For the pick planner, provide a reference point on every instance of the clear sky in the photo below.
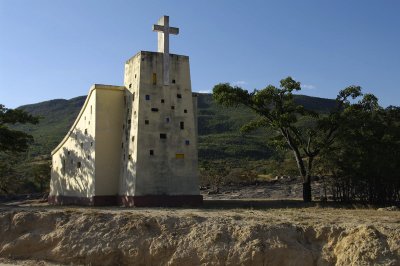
(53, 49)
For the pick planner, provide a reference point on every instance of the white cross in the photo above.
(164, 30)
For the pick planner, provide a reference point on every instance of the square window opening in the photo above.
(146, 122)
(154, 109)
(163, 136)
(162, 100)
(179, 96)
(182, 125)
(151, 152)
(185, 111)
(147, 97)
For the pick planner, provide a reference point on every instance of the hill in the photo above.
(219, 136)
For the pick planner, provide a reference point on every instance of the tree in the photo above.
(276, 109)
(363, 163)
(12, 142)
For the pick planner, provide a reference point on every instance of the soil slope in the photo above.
(295, 236)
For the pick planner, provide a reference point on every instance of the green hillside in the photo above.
(219, 136)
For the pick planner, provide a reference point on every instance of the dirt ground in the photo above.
(235, 226)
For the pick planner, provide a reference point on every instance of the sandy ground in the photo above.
(223, 232)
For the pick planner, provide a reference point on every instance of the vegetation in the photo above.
(310, 135)
(13, 144)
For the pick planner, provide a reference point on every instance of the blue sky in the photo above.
(57, 49)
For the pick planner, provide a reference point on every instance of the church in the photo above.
(134, 145)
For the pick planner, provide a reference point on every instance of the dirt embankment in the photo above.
(303, 236)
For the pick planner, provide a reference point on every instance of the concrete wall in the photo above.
(73, 160)
(86, 162)
(109, 127)
(172, 169)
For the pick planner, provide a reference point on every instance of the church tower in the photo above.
(134, 145)
(159, 143)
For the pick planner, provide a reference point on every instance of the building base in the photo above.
(130, 201)
(84, 201)
(161, 201)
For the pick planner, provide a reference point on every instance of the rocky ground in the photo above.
(227, 230)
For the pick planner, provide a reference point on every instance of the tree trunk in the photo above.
(307, 190)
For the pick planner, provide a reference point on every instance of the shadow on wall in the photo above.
(74, 171)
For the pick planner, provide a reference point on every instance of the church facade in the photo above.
(134, 145)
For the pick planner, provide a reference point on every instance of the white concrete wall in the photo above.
(93, 142)
(109, 127)
(163, 173)
(78, 147)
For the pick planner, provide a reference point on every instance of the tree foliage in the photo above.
(277, 110)
(14, 140)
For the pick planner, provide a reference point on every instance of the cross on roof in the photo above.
(164, 30)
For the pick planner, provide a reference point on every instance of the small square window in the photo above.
(151, 152)
(163, 136)
(179, 96)
(182, 125)
(130, 85)
(146, 122)
(187, 142)
(154, 109)
(134, 112)
(147, 97)
(162, 100)
(130, 156)
(129, 121)
(133, 138)
(172, 107)
(135, 75)
(173, 81)
(78, 165)
(154, 78)
(185, 111)
(91, 144)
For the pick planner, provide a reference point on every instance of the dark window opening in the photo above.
(147, 97)
(69, 152)
(187, 142)
(88, 156)
(162, 100)
(134, 113)
(122, 145)
(130, 85)
(163, 136)
(172, 107)
(129, 121)
(167, 119)
(185, 111)
(130, 156)
(182, 125)
(146, 122)
(173, 81)
(91, 144)
(154, 109)
(133, 138)
(81, 144)
(135, 75)
(78, 165)
(179, 96)
(151, 152)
